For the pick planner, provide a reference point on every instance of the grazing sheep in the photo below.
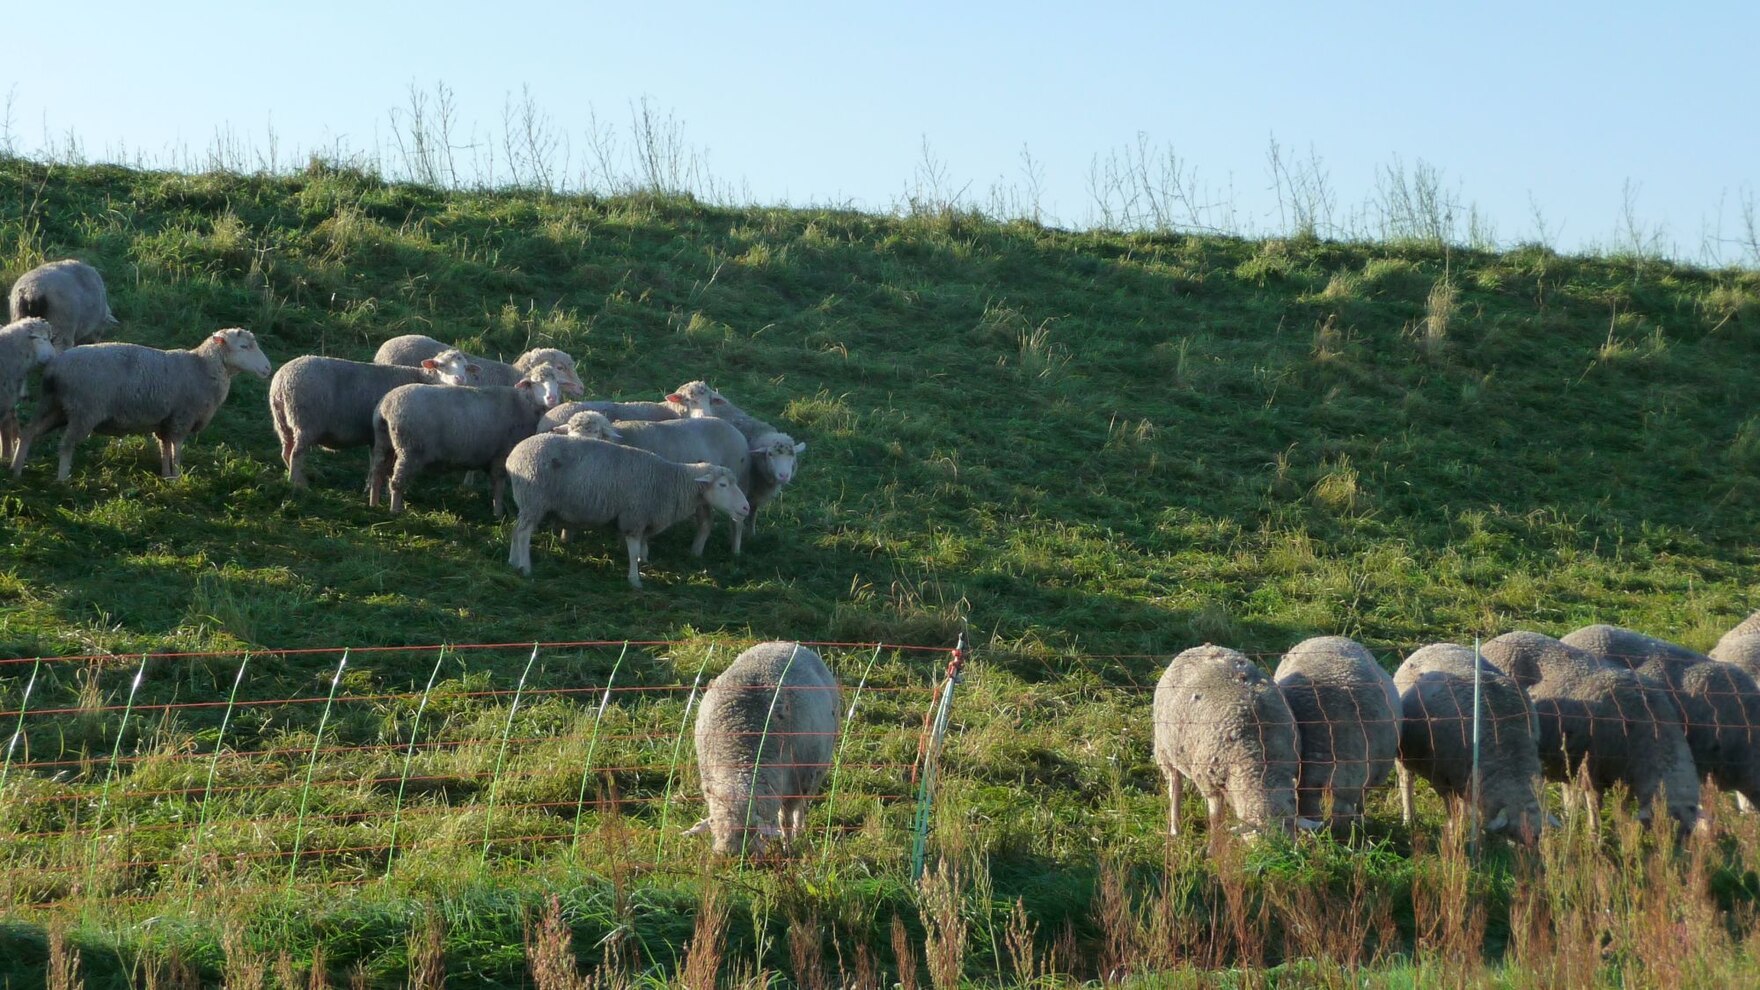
(765, 736)
(587, 424)
(1345, 707)
(592, 482)
(1719, 703)
(412, 349)
(24, 344)
(127, 388)
(1436, 738)
(774, 453)
(651, 412)
(1612, 724)
(328, 402)
(688, 441)
(469, 426)
(1741, 646)
(1220, 721)
(70, 295)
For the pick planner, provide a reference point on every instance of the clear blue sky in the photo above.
(1559, 105)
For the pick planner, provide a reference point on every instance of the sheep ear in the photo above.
(1309, 824)
(706, 479)
(574, 388)
(759, 450)
(800, 448)
(1498, 823)
(559, 429)
(769, 830)
(675, 397)
(220, 338)
(718, 401)
(429, 364)
(613, 434)
(699, 828)
(523, 383)
(475, 369)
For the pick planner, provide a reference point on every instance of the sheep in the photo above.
(70, 295)
(24, 344)
(328, 402)
(765, 737)
(652, 412)
(412, 349)
(127, 388)
(1613, 725)
(1741, 646)
(1220, 721)
(585, 423)
(1436, 738)
(592, 482)
(471, 426)
(1345, 707)
(688, 441)
(774, 453)
(1719, 703)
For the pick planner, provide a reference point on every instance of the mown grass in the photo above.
(1086, 445)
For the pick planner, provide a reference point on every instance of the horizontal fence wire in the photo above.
(129, 779)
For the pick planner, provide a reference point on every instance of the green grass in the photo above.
(1095, 448)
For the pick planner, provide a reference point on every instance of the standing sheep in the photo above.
(127, 388)
(328, 402)
(1719, 703)
(1221, 722)
(591, 482)
(765, 736)
(651, 412)
(1608, 722)
(70, 295)
(1741, 646)
(687, 441)
(412, 349)
(1345, 707)
(775, 454)
(24, 344)
(1436, 738)
(470, 426)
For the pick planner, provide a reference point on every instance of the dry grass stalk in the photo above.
(806, 951)
(63, 962)
(944, 940)
(1019, 937)
(904, 957)
(1112, 912)
(702, 957)
(427, 952)
(244, 968)
(550, 952)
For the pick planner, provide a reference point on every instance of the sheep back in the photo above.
(330, 401)
(1343, 703)
(1220, 721)
(70, 295)
(651, 412)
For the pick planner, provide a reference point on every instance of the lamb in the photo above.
(412, 349)
(1220, 721)
(127, 388)
(1614, 725)
(469, 426)
(593, 482)
(328, 402)
(650, 412)
(1436, 738)
(1345, 707)
(70, 295)
(24, 344)
(1719, 703)
(765, 736)
(688, 441)
(774, 453)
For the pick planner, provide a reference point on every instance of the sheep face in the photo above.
(454, 368)
(589, 424)
(780, 452)
(697, 397)
(239, 351)
(721, 491)
(545, 385)
(42, 343)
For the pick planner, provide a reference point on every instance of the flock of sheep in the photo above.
(641, 466)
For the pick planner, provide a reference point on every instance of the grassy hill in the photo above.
(1096, 448)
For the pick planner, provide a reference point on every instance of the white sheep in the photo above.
(687, 441)
(1606, 722)
(70, 295)
(127, 388)
(766, 735)
(328, 402)
(592, 483)
(24, 345)
(652, 412)
(775, 454)
(1346, 711)
(1220, 721)
(1436, 738)
(468, 426)
(411, 349)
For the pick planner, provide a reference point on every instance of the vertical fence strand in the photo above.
(213, 768)
(580, 800)
(110, 775)
(677, 749)
(501, 754)
(837, 763)
(24, 703)
(299, 829)
(409, 756)
(763, 739)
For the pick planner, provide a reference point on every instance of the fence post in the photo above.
(213, 766)
(299, 829)
(580, 799)
(677, 747)
(837, 765)
(943, 709)
(501, 754)
(18, 732)
(409, 756)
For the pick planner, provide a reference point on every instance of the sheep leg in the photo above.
(497, 484)
(519, 553)
(379, 472)
(8, 436)
(46, 420)
(170, 457)
(702, 531)
(400, 476)
(739, 530)
(633, 541)
(1407, 805)
(70, 438)
(1176, 787)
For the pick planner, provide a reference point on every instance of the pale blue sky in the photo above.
(1559, 105)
